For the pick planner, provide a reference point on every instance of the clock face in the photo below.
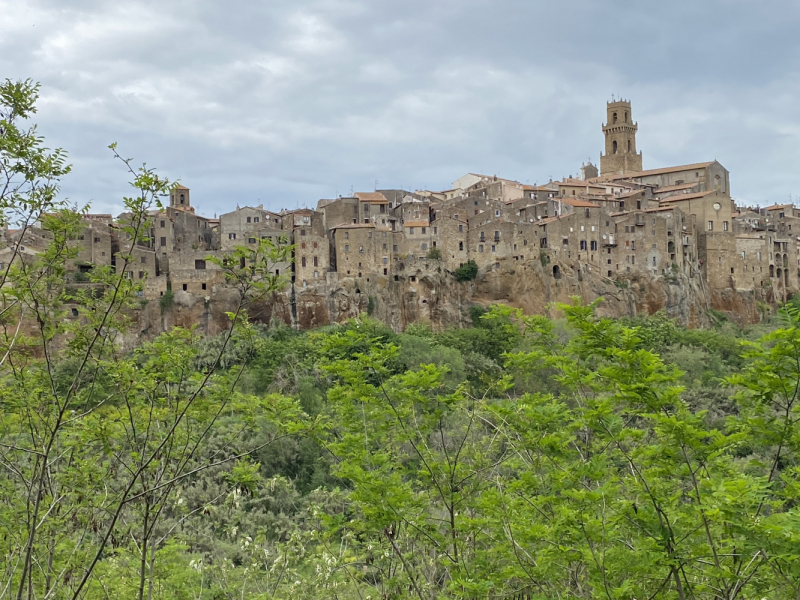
(717, 206)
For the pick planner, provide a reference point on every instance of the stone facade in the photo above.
(624, 227)
(620, 130)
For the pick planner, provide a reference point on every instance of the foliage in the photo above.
(522, 457)
(467, 272)
(434, 254)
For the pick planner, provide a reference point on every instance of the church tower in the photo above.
(620, 131)
(179, 198)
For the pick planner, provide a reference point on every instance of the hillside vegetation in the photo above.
(524, 457)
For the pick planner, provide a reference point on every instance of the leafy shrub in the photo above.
(434, 254)
(467, 272)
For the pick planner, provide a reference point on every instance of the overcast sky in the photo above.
(283, 103)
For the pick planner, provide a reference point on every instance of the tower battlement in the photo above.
(620, 130)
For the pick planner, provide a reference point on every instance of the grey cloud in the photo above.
(284, 103)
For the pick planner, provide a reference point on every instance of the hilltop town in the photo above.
(668, 238)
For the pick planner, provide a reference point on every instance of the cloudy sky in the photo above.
(283, 103)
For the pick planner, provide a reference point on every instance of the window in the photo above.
(369, 234)
(633, 246)
(347, 247)
(424, 246)
(461, 246)
(231, 236)
(410, 231)
(251, 240)
(423, 231)
(480, 248)
(583, 244)
(711, 225)
(96, 240)
(394, 247)
(143, 259)
(724, 226)
(302, 232)
(316, 261)
(361, 249)
(255, 219)
(164, 241)
(366, 208)
(493, 248)
(303, 262)
(614, 147)
(460, 229)
(435, 230)
(185, 287)
(203, 286)
(497, 213)
(303, 245)
(199, 264)
(162, 224)
(594, 245)
(316, 274)
(249, 219)
(141, 274)
(315, 244)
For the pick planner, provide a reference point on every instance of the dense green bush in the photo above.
(467, 272)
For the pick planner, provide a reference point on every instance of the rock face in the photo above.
(426, 292)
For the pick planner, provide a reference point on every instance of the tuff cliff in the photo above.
(425, 291)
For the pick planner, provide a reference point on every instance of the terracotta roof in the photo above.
(579, 183)
(416, 224)
(675, 169)
(373, 197)
(779, 206)
(629, 194)
(547, 220)
(577, 203)
(659, 209)
(682, 197)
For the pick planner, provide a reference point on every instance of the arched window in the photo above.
(556, 272)
(629, 146)
(615, 117)
(614, 147)
(626, 116)
(182, 198)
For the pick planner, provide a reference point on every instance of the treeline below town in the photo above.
(525, 457)
(569, 456)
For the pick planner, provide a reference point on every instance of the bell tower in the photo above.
(179, 198)
(620, 132)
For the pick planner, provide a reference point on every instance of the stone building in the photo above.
(620, 156)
